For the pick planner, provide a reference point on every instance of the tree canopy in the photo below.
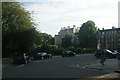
(88, 35)
(43, 38)
(66, 41)
(15, 17)
(17, 28)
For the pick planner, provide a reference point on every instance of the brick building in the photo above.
(109, 39)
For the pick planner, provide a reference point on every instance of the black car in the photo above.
(21, 58)
(109, 54)
(68, 53)
(117, 54)
(98, 53)
(42, 55)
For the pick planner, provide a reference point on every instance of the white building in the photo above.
(64, 31)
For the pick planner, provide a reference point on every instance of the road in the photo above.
(56, 67)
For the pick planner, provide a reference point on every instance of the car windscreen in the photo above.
(67, 52)
(41, 53)
(109, 51)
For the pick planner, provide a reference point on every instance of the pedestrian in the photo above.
(103, 59)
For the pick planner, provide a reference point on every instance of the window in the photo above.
(106, 32)
(102, 40)
(99, 33)
(103, 32)
(106, 40)
(112, 31)
(112, 40)
(115, 32)
(109, 32)
(102, 36)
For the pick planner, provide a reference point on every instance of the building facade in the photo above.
(64, 31)
(109, 39)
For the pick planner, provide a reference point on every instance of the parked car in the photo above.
(21, 58)
(109, 54)
(98, 53)
(42, 55)
(68, 53)
(117, 54)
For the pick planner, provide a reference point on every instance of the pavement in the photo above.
(111, 65)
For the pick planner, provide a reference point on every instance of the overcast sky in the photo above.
(52, 15)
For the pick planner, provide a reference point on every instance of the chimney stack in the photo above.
(68, 27)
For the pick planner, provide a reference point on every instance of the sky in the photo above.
(52, 15)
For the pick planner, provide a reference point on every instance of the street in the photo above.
(55, 67)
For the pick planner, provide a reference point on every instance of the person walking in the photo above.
(103, 58)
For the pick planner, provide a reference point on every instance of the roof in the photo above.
(110, 29)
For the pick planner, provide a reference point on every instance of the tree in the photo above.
(66, 41)
(88, 35)
(15, 17)
(17, 29)
(43, 38)
(47, 39)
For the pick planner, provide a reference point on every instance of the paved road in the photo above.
(56, 67)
